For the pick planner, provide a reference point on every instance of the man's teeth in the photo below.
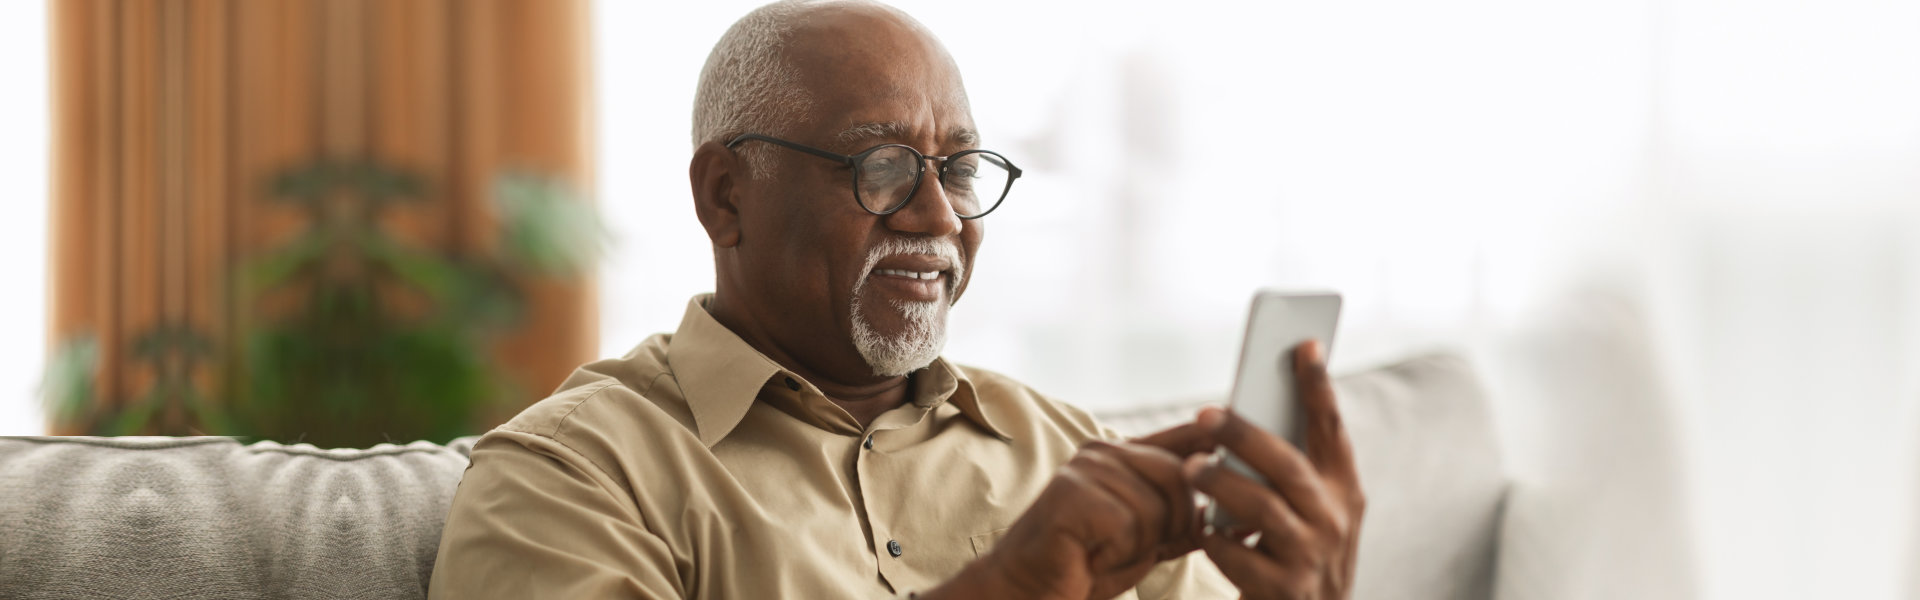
(909, 274)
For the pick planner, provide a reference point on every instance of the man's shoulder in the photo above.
(603, 388)
(1017, 406)
(608, 405)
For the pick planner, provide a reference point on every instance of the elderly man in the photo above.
(799, 436)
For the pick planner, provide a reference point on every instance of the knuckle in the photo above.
(1340, 526)
(1332, 422)
(1285, 583)
(1302, 583)
(1088, 458)
(1275, 516)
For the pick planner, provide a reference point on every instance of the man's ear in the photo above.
(713, 172)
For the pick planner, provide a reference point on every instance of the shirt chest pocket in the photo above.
(984, 542)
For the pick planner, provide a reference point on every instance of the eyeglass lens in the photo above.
(975, 181)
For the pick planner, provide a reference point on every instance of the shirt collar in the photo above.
(721, 376)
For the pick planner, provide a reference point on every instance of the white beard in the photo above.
(926, 332)
(910, 350)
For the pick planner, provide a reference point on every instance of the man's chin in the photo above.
(903, 338)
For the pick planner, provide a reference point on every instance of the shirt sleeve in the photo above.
(534, 519)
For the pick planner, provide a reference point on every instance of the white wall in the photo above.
(1745, 175)
(23, 234)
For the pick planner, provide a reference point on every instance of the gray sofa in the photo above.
(212, 518)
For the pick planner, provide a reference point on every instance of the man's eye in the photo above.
(960, 179)
(882, 170)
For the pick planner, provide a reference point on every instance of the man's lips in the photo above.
(921, 286)
(913, 277)
(910, 274)
(912, 263)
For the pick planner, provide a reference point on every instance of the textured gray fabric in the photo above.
(1430, 463)
(211, 518)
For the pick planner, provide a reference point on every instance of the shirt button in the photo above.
(793, 385)
(869, 445)
(893, 547)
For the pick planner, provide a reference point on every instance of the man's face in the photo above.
(853, 285)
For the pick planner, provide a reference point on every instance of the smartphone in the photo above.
(1263, 388)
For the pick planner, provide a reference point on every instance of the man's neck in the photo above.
(865, 398)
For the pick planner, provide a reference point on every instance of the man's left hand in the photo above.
(1307, 517)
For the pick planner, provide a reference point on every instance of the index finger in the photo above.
(1183, 440)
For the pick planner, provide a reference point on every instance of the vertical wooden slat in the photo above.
(137, 201)
(249, 65)
(343, 75)
(81, 128)
(476, 121)
(170, 162)
(210, 256)
(410, 88)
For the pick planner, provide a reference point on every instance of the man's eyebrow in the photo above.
(895, 130)
(883, 130)
(964, 138)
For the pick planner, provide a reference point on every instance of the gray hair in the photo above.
(748, 86)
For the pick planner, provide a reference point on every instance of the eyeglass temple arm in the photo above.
(839, 158)
(1003, 163)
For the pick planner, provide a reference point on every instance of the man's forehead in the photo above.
(869, 132)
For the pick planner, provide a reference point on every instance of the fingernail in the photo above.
(1312, 349)
(1193, 465)
(1210, 418)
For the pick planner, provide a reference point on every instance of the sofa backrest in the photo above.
(211, 518)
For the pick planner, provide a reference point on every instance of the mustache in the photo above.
(938, 247)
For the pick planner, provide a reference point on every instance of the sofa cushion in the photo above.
(211, 518)
(1430, 464)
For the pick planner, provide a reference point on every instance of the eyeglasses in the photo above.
(885, 176)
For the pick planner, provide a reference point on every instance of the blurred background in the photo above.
(1680, 239)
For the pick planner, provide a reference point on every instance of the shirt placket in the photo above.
(869, 477)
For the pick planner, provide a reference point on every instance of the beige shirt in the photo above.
(696, 467)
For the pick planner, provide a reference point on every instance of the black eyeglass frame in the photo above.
(920, 171)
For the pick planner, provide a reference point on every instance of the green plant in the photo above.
(385, 341)
(67, 385)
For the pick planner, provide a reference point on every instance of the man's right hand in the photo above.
(1108, 516)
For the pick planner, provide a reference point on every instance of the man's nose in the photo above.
(928, 212)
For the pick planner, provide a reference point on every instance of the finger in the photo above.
(1106, 524)
(1284, 467)
(1327, 444)
(1166, 474)
(1255, 574)
(1282, 531)
(1146, 505)
(1182, 440)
